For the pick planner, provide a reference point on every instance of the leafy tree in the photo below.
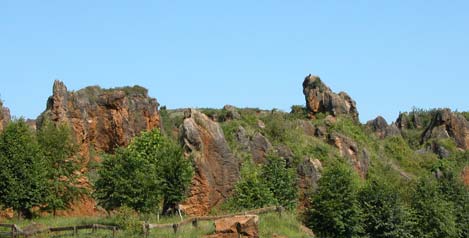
(384, 214)
(251, 191)
(127, 180)
(454, 191)
(171, 167)
(23, 174)
(335, 211)
(434, 215)
(151, 170)
(60, 153)
(281, 181)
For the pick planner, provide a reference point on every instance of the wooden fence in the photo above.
(194, 220)
(15, 231)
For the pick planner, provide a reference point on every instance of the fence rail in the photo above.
(17, 232)
(194, 220)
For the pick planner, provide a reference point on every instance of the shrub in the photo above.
(151, 170)
(250, 192)
(281, 181)
(335, 211)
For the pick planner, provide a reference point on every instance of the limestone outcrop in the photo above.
(216, 169)
(102, 119)
(381, 128)
(446, 124)
(321, 99)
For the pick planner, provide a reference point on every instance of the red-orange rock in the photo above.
(248, 225)
(321, 99)
(465, 175)
(102, 119)
(216, 169)
(348, 149)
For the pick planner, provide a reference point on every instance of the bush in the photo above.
(250, 192)
(434, 215)
(281, 181)
(335, 211)
(151, 170)
(384, 214)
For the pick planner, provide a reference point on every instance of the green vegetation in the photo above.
(150, 171)
(62, 161)
(23, 174)
(281, 181)
(434, 215)
(384, 213)
(250, 191)
(335, 211)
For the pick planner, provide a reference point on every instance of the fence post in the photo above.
(175, 227)
(280, 210)
(146, 229)
(75, 230)
(13, 231)
(238, 229)
(113, 232)
(195, 222)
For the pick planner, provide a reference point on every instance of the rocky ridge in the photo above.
(102, 119)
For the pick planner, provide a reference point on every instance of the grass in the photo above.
(270, 224)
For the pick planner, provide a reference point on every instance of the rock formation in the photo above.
(321, 99)
(102, 119)
(381, 128)
(446, 124)
(216, 169)
(4, 116)
(358, 158)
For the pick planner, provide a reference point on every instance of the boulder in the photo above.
(5, 116)
(412, 120)
(380, 127)
(309, 173)
(257, 145)
(321, 99)
(446, 124)
(216, 169)
(247, 226)
(260, 146)
(231, 113)
(358, 158)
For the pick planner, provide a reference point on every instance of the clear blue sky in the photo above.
(388, 55)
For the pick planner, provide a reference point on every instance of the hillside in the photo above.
(221, 143)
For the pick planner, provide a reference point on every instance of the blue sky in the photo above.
(388, 55)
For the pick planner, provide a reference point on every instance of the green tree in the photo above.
(281, 181)
(62, 161)
(434, 215)
(151, 170)
(127, 180)
(453, 190)
(251, 191)
(23, 174)
(335, 211)
(384, 214)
